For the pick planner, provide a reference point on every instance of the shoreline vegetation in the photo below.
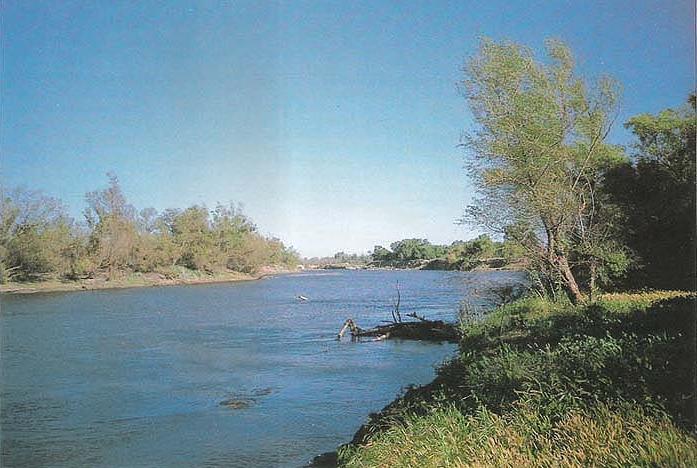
(479, 254)
(43, 250)
(116, 246)
(184, 276)
(548, 383)
(486, 264)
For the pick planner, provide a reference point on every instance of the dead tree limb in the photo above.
(413, 315)
(349, 324)
(396, 316)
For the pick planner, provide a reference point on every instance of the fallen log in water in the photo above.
(427, 330)
(423, 329)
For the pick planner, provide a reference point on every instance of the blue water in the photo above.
(135, 377)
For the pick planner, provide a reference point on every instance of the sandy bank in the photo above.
(135, 280)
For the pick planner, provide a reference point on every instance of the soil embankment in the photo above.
(136, 280)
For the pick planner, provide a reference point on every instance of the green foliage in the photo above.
(469, 254)
(624, 303)
(656, 195)
(415, 249)
(460, 255)
(538, 156)
(35, 236)
(38, 240)
(381, 254)
(193, 237)
(112, 223)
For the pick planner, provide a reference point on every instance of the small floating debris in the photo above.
(302, 298)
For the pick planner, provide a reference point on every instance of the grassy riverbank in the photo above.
(542, 383)
(177, 276)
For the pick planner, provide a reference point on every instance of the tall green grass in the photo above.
(604, 436)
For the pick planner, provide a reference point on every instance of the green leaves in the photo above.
(38, 239)
(656, 195)
(538, 153)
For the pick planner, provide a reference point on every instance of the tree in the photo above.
(191, 232)
(538, 152)
(112, 222)
(381, 254)
(413, 249)
(481, 247)
(656, 195)
(35, 232)
(232, 232)
(509, 249)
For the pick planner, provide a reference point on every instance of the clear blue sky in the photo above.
(336, 123)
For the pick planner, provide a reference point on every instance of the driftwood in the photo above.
(396, 316)
(427, 330)
(424, 329)
(349, 324)
(413, 315)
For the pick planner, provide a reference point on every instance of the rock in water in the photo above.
(262, 391)
(237, 403)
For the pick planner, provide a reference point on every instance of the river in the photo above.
(136, 377)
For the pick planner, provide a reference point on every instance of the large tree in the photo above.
(538, 151)
(657, 197)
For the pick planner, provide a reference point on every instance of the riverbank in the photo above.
(539, 383)
(181, 276)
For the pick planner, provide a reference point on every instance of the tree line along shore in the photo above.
(42, 248)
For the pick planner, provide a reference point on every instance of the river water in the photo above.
(136, 377)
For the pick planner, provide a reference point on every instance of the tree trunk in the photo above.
(593, 275)
(569, 281)
(558, 261)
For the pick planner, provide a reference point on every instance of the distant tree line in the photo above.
(339, 258)
(349, 258)
(461, 255)
(38, 239)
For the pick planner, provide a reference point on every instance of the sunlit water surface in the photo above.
(135, 377)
